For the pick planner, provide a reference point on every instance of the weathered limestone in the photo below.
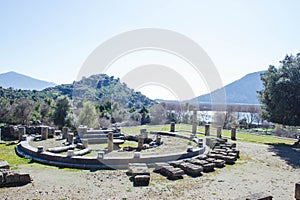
(65, 132)
(144, 133)
(110, 142)
(172, 127)
(44, 132)
(82, 130)
(207, 130)
(141, 180)
(51, 132)
(140, 142)
(100, 155)
(40, 149)
(297, 191)
(11, 178)
(82, 152)
(158, 139)
(136, 155)
(219, 132)
(70, 153)
(21, 132)
(169, 171)
(194, 128)
(140, 173)
(61, 149)
(70, 138)
(233, 133)
(85, 143)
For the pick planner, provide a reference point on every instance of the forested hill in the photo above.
(94, 88)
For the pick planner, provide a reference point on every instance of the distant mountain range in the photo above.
(20, 81)
(242, 91)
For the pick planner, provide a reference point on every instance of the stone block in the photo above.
(12, 178)
(297, 191)
(24, 178)
(209, 167)
(1, 177)
(219, 163)
(4, 165)
(141, 180)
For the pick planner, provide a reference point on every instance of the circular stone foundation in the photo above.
(167, 152)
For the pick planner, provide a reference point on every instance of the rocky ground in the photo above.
(272, 170)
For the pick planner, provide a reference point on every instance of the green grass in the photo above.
(7, 152)
(261, 139)
(185, 129)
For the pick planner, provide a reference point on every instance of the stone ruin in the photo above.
(10, 178)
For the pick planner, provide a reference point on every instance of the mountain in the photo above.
(95, 88)
(20, 81)
(100, 87)
(242, 91)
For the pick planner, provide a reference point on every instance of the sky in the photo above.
(51, 40)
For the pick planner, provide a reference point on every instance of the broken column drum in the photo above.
(65, 132)
(194, 128)
(233, 133)
(172, 127)
(22, 131)
(110, 142)
(140, 142)
(44, 132)
(70, 138)
(207, 131)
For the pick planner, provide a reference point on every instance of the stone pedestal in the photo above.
(207, 131)
(144, 133)
(40, 149)
(158, 139)
(137, 155)
(70, 138)
(172, 127)
(100, 155)
(44, 132)
(140, 142)
(194, 128)
(85, 143)
(110, 142)
(219, 132)
(51, 131)
(297, 191)
(21, 132)
(233, 133)
(82, 130)
(65, 132)
(70, 153)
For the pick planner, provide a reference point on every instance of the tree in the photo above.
(5, 108)
(144, 113)
(88, 115)
(61, 111)
(22, 111)
(281, 93)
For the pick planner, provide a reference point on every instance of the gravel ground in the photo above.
(272, 170)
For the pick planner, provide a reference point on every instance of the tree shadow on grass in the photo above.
(289, 153)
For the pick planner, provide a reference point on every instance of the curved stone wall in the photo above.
(26, 150)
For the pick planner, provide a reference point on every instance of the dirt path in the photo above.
(268, 169)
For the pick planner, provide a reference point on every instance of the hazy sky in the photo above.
(50, 40)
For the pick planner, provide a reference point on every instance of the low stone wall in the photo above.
(24, 149)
